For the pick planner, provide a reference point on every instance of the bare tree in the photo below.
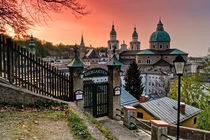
(19, 15)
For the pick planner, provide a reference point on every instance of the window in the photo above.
(139, 61)
(161, 46)
(139, 115)
(148, 61)
(166, 46)
(195, 120)
(153, 46)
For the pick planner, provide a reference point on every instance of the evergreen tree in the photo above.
(133, 83)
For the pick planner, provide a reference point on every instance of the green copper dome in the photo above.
(135, 34)
(113, 32)
(31, 43)
(160, 34)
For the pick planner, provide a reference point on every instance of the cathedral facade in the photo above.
(159, 55)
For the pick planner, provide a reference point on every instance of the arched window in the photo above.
(148, 61)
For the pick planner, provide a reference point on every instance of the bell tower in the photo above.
(113, 43)
(135, 44)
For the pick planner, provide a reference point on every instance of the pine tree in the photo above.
(133, 83)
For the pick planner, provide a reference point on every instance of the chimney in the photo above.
(182, 108)
(143, 99)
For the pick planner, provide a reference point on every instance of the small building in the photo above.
(127, 99)
(91, 57)
(166, 109)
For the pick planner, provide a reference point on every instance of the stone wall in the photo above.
(13, 94)
(185, 132)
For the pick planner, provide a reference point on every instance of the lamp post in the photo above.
(179, 63)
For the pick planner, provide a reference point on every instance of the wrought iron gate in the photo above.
(96, 98)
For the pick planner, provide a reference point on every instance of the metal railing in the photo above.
(141, 128)
(122, 117)
(141, 122)
(163, 135)
(21, 67)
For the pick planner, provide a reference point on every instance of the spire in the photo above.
(135, 34)
(160, 26)
(82, 41)
(113, 32)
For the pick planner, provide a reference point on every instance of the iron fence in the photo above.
(20, 67)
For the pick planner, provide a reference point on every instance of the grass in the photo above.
(78, 127)
(106, 133)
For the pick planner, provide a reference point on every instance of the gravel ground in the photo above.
(30, 126)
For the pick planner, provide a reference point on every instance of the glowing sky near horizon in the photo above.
(187, 22)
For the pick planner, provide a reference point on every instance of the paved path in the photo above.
(121, 132)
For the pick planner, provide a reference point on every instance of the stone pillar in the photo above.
(129, 113)
(159, 127)
(113, 101)
(77, 84)
(75, 70)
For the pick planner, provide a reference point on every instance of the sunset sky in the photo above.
(187, 22)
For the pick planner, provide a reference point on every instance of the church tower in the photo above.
(135, 44)
(123, 47)
(160, 39)
(113, 43)
(32, 49)
(82, 48)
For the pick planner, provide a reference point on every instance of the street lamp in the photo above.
(179, 63)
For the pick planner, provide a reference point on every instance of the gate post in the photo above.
(114, 68)
(76, 70)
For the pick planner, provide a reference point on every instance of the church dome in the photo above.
(113, 32)
(160, 34)
(135, 34)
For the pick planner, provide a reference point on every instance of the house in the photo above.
(127, 99)
(166, 109)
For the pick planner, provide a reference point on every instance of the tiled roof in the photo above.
(176, 51)
(76, 63)
(91, 54)
(162, 62)
(114, 62)
(129, 53)
(146, 52)
(127, 99)
(165, 109)
(168, 51)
